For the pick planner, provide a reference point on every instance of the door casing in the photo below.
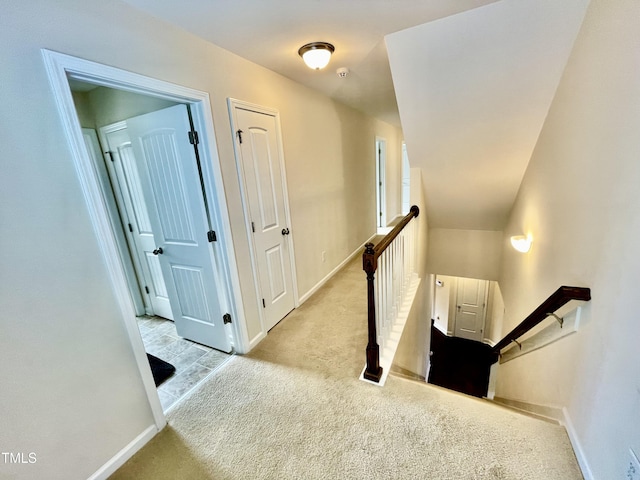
(60, 68)
(381, 183)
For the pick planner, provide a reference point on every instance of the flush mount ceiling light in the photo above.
(316, 54)
(521, 243)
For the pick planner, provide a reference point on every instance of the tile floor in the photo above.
(193, 362)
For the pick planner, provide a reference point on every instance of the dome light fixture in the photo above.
(316, 54)
(521, 243)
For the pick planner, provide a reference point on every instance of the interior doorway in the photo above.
(61, 70)
(145, 167)
(466, 314)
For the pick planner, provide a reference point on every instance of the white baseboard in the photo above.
(551, 413)
(318, 285)
(577, 447)
(125, 454)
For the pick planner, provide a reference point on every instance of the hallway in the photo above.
(294, 408)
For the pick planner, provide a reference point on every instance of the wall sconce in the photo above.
(521, 243)
(316, 54)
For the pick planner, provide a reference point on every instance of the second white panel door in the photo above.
(261, 165)
(471, 302)
(135, 218)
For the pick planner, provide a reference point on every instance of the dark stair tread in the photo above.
(460, 364)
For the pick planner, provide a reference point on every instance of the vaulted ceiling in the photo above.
(469, 81)
(475, 100)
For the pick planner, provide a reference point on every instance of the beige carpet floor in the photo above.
(294, 409)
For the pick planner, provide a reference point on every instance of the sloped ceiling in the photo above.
(473, 91)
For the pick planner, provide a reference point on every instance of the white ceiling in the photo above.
(270, 32)
(474, 79)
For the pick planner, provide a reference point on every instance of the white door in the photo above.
(134, 215)
(171, 184)
(471, 302)
(261, 162)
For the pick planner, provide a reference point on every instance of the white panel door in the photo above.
(471, 301)
(170, 179)
(261, 164)
(132, 207)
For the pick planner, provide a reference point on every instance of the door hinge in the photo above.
(226, 318)
(264, 305)
(110, 155)
(253, 227)
(130, 228)
(193, 137)
(239, 133)
(146, 289)
(211, 236)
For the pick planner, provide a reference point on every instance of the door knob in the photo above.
(158, 251)
(285, 231)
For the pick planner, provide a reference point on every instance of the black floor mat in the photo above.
(160, 369)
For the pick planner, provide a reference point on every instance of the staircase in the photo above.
(460, 364)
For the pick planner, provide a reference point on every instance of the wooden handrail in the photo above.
(373, 371)
(414, 211)
(559, 298)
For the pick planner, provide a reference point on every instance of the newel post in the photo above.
(373, 371)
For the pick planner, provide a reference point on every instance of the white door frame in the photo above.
(233, 103)
(381, 183)
(58, 66)
(98, 159)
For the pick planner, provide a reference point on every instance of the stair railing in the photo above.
(394, 259)
(558, 299)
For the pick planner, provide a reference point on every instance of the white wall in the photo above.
(581, 202)
(413, 349)
(71, 391)
(442, 303)
(465, 253)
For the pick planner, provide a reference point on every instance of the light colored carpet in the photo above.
(294, 409)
